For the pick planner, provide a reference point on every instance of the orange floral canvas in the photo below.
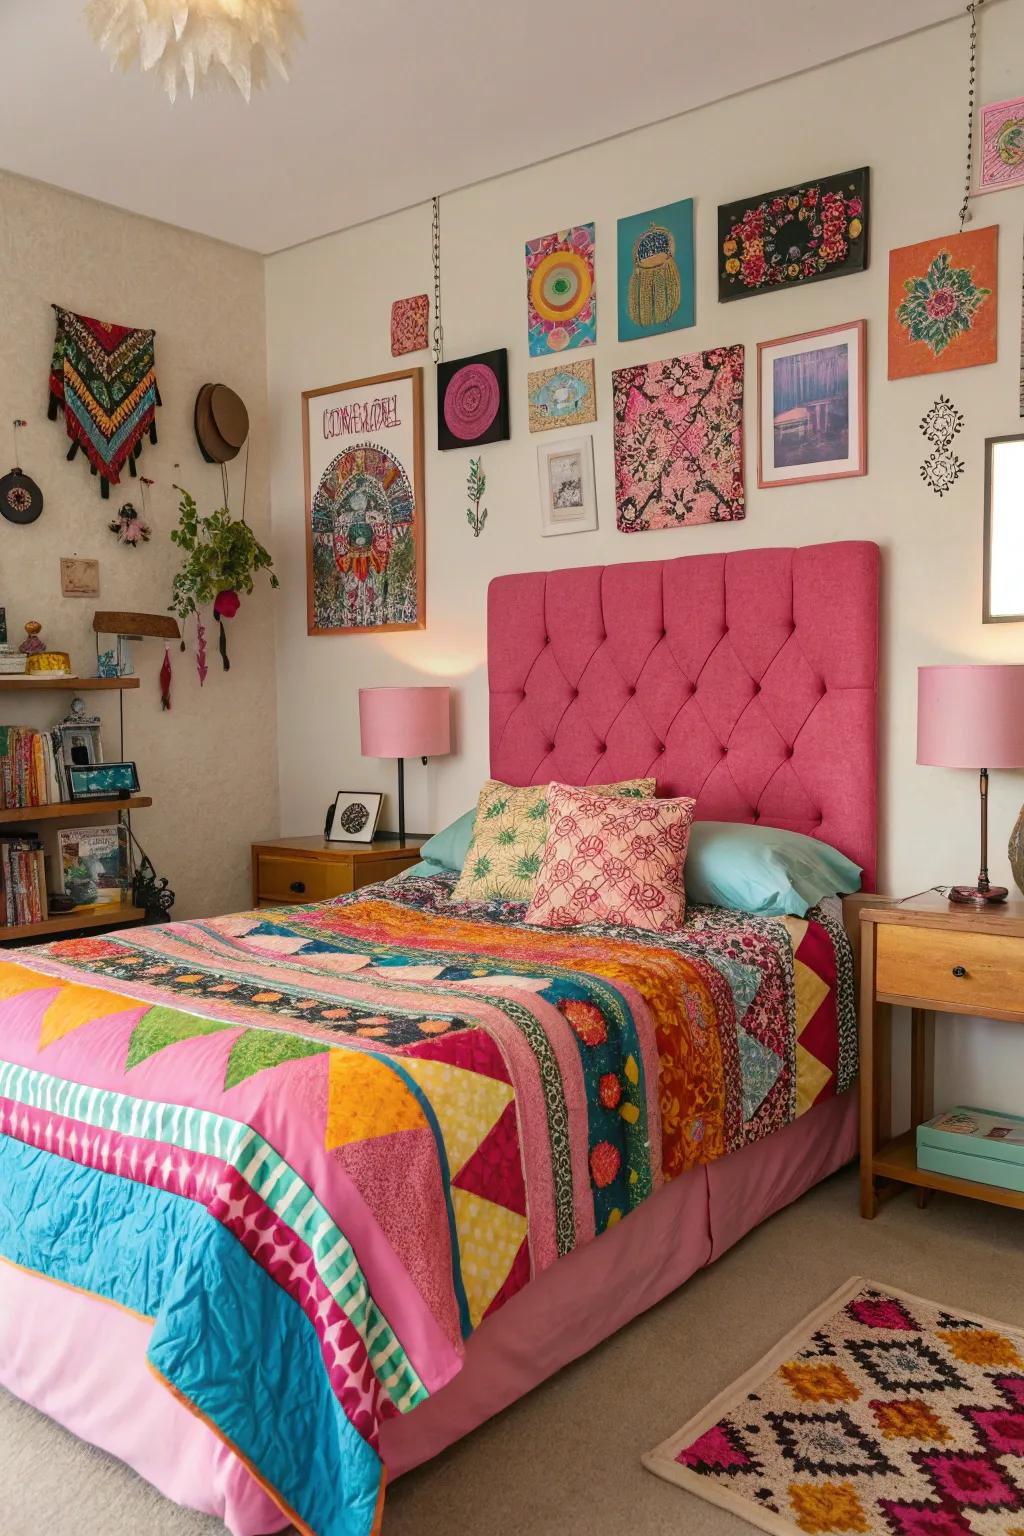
(942, 304)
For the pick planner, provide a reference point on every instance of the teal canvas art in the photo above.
(655, 252)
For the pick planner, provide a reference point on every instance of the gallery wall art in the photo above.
(942, 304)
(655, 271)
(472, 400)
(410, 322)
(563, 396)
(811, 406)
(679, 441)
(568, 500)
(362, 446)
(793, 236)
(940, 424)
(1002, 145)
(561, 295)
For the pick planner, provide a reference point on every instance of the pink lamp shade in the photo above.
(971, 716)
(405, 722)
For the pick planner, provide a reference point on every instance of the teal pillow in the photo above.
(765, 870)
(450, 846)
(424, 867)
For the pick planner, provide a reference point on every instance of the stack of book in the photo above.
(22, 882)
(31, 768)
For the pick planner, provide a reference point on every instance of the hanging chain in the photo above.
(965, 209)
(15, 424)
(435, 235)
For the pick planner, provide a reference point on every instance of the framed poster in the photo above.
(362, 448)
(568, 503)
(811, 397)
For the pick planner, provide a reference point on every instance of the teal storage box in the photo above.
(974, 1144)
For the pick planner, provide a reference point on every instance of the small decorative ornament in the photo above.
(941, 422)
(32, 645)
(410, 325)
(476, 484)
(941, 470)
(198, 42)
(129, 527)
(21, 500)
(201, 666)
(1016, 851)
(225, 606)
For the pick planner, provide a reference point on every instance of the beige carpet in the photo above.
(566, 1460)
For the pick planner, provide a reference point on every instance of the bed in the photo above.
(291, 1200)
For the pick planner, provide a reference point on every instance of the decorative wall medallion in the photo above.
(941, 469)
(472, 400)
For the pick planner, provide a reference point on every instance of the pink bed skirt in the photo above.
(82, 1361)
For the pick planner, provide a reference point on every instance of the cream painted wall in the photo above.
(899, 109)
(210, 764)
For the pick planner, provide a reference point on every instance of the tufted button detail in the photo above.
(661, 746)
(755, 815)
(632, 692)
(757, 687)
(789, 751)
(602, 746)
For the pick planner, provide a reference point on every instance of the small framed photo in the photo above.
(102, 781)
(568, 503)
(80, 743)
(354, 816)
(812, 406)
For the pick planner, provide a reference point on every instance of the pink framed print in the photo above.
(1002, 145)
(812, 406)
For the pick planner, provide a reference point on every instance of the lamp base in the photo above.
(974, 896)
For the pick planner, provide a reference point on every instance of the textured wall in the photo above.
(210, 763)
(899, 109)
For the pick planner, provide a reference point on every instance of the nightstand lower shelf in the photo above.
(897, 1160)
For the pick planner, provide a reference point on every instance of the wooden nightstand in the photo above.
(290, 870)
(930, 957)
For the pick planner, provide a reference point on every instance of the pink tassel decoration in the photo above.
(201, 666)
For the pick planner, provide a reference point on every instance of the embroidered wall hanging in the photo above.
(940, 425)
(472, 400)
(679, 441)
(942, 304)
(1002, 145)
(561, 397)
(104, 378)
(655, 251)
(794, 236)
(560, 291)
(410, 325)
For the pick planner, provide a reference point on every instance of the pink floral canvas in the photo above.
(679, 441)
(610, 860)
(410, 320)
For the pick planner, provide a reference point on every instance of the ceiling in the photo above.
(393, 100)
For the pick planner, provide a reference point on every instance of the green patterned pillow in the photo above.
(509, 833)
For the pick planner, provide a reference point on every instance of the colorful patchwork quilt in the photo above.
(317, 1146)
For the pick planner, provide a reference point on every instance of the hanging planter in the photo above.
(222, 557)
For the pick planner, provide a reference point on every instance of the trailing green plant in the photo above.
(476, 484)
(222, 555)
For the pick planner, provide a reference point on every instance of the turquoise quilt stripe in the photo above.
(225, 1334)
(201, 1130)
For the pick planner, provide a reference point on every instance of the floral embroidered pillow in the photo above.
(612, 861)
(509, 834)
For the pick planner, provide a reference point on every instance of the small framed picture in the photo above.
(80, 743)
(353, 817)
(102, 781)
(568, 503)
(812, 406)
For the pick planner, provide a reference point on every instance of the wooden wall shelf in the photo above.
(22, 683)
(71, 922)
(69, 811)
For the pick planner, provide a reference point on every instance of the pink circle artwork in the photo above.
(471, 401)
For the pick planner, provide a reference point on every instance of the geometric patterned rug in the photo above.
(880, 1413)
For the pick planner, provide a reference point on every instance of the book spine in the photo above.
(44, 905)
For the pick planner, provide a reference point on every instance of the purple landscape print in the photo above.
(811, 406)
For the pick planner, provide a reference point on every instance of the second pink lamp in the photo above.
(972, 717)
(401, 723)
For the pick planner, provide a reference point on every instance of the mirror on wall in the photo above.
(1004, 530)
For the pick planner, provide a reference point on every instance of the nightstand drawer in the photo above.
(973, 973)
(286, 878)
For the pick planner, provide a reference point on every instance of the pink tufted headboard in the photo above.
(748, 680)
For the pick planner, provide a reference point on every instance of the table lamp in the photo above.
(401, 723)
(972, 717)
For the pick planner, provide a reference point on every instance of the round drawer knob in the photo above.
(959, 970)
(298, 886)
